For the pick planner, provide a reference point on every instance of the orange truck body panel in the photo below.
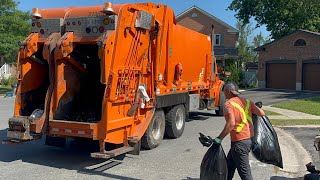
(167, 59)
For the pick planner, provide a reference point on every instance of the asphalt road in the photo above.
(269, 97)
(306, 137)
(173, 159)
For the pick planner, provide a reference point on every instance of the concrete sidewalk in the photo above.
(294, 156)
(288, 114)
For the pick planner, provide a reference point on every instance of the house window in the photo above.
(194, 15)
(300, 42)
(217, 39)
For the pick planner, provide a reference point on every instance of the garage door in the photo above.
(281, 76)
(311, 77)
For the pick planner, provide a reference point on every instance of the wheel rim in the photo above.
(179, 119)
(156, 130)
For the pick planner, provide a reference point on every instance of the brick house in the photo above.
(291, 62)
(225, 36)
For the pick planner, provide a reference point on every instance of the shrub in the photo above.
(4, 81)
(12, 80)
(236, 74)
(8, 81)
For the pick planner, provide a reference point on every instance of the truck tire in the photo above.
(222, 100)
(175, 121)
(155, 131)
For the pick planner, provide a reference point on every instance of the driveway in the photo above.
(306, 136)
(269, 97)
(174, 159)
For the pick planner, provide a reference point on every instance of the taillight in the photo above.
(68, 23)
(73, 23)
(79, 23)
(106, 21)
(110, 80)
(101, 29)
(88, 30)
(33, 24)
(94, 29)
(39, 24)
(42, 31)
(108, 90)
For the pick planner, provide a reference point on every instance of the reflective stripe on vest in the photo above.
(245, 114)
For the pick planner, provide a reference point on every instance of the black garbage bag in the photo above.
(265, 144)
(314, 173)
(214, 163)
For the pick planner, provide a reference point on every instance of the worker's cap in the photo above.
(232, 87)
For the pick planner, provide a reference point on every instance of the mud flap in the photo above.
(137, 148)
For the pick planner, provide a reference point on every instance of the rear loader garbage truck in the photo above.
(122, 74)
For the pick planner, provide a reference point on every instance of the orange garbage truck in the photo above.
(122, 74)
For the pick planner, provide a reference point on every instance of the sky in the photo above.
(218, 8)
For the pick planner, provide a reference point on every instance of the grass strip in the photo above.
(271, 113)
(286, 122)
(4, 89)
(308, 105)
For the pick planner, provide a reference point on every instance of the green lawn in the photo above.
(270, 113)
(308, 105)
(286, 122)
(4, 89)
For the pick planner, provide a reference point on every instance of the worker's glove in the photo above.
(217, 140)
(205, 140)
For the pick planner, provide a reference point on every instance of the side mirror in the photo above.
(259, 104)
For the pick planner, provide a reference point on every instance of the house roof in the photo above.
(231, 29)
(277, 40)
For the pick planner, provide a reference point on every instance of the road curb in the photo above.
(294, 156)
(290, 113)
(299, 126)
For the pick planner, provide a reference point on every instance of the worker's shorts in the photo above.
(238, 158)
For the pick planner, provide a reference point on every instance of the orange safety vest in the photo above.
(245, 113)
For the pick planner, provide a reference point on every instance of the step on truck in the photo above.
(123, 74)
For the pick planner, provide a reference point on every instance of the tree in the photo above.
(243, 45)
(258, 40)
(280, 16)
(14, 27)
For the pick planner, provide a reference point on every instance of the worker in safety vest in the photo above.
(238, 115)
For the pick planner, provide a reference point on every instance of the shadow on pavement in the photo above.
(284, 178)
(201, 116)
(189, 178)
(73, 157)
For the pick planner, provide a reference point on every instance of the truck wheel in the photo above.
(175, 121)
(222, 100)
(155, 132)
